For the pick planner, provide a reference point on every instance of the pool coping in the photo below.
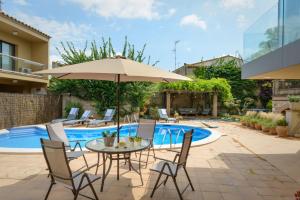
(215, 135)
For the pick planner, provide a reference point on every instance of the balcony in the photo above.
(11, 66)
(272, 42)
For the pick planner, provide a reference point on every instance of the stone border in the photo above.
(215, 135)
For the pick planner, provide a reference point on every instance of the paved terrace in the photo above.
(243, 164)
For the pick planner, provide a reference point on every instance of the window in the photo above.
(7, 50)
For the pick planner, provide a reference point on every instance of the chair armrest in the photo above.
(163, 159)
(77, 173)
(172, 161)
(172, 150)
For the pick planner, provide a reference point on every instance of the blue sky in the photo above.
(205, 28)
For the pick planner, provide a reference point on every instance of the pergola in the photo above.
(169, 92)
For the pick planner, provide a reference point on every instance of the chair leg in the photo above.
(92, 188)
(188, 177)
(85, 161)
(177, 188)
(165, 182)
(152, 193)
(154, 156)
(48, 192)
(78, 189)
(147, 157)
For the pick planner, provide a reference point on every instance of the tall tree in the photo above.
(102, 92)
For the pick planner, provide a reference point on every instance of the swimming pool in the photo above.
(28, 138)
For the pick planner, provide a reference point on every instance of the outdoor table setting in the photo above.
(113, 150)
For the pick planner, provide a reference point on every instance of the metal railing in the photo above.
(13, 64)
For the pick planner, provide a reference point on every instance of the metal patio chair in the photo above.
(145, 130)
(60, 172)
(56, 132)
(170, 168)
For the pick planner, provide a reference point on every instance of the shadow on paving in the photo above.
(225, 176)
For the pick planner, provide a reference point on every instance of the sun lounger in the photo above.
(72, 115)
(163, 115)
(108, 117)
(85, 116)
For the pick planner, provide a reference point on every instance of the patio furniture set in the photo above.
(58, 154)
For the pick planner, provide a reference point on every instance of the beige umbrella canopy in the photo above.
(110, 68)
(114, 69)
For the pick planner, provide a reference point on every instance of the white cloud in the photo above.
(242, 21)
(171, 12)
(237, 4)
(59, 31)
(129, 9)
(21, 2)
(193, 20)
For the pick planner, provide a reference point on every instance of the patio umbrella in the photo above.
(116, 69)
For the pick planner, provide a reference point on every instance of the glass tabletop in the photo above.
(125, 146)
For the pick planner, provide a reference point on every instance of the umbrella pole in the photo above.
(118, 107)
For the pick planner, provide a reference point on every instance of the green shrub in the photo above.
(269, 105)
(268, 124)
(219, 85)
(73, 104)
(282, 122)
(153, 113)
(294, 98)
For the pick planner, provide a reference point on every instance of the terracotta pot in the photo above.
(252, 125)
(265, 129)
(282, 131)
(257, 126)
(109, 141)
(272, 131)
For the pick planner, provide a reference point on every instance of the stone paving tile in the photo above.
(224, 170)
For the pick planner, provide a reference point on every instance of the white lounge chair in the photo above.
(85, 116)
(108, 117)
(164, 115)
(71, 116)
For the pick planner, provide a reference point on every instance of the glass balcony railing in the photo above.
(263, 36)
(277, 27)
(12, 64)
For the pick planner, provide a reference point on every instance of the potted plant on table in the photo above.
(137, 141)
(282, 128)
(109, 138)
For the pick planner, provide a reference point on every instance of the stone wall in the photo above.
(26, 109)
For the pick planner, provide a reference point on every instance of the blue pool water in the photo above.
(29, 137)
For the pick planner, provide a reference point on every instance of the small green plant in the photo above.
(269, 105)
(138, 139)
(294, 98)
(131, 139)
(268, 124)
(282, 122)
(73, 104)
(108, 134)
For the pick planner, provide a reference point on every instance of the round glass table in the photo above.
(119, 151)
